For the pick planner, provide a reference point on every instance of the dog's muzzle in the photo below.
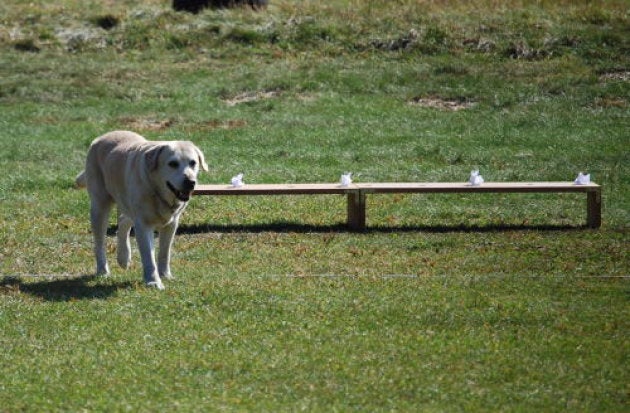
(184, 194)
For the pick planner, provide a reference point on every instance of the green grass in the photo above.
(447, 303)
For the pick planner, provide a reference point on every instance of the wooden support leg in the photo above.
(356, 210)
(594, 209)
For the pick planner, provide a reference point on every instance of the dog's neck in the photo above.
(173, 208)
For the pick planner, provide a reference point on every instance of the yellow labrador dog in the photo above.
(151, 183)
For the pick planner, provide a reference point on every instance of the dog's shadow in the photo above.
(70, 288)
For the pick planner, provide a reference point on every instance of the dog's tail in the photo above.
(80, 180)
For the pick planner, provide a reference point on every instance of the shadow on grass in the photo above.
(308, 228)
(61, 288)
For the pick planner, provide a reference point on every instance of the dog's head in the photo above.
(174, 166)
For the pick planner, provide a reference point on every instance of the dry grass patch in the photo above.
(213, 124)
(147, 123)
(247, 97)
(442, 103)
(622, 75)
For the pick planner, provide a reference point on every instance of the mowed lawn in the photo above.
(469, 302)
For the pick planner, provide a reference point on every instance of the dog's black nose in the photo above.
(188, 184)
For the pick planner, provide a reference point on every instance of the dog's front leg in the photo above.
(144, 237)
(167, 234)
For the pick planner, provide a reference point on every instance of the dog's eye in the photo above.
(173, 164)
(192, 164)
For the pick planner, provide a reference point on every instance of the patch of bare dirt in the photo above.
(441, 103)
(248, 97)
(610, 102)
(218, 124)
(147, 123)
(521, 50)
(401, 43)
(621, 75)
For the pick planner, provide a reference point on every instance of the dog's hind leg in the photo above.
(124, 246)
(99, 217)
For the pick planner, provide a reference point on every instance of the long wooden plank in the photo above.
(275, 189)
(418, 187)
(393, 187)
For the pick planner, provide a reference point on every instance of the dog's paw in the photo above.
(124, 260)
(123, 252)
(167, 276)
(102, 271)
(155, 284)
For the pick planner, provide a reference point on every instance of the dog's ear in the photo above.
(202, 159)
(152, 157)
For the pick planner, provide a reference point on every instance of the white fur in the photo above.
(151, 183)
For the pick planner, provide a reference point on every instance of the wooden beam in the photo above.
(458, 187)
(275, 189)
(393, 187)
(356, 193)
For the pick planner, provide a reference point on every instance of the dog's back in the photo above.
(100, 149)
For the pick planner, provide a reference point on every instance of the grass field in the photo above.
(447, 303)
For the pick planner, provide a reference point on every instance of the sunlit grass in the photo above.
(447, 302)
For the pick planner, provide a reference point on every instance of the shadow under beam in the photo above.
(294, 227)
